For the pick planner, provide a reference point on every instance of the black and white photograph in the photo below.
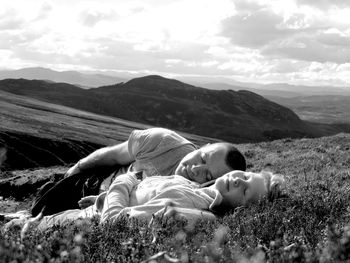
(175, 131)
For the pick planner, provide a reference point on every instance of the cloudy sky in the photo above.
(292, 41)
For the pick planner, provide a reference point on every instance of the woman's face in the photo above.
(240, 188)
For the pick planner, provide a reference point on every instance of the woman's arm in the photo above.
(118, 196)
(190, 214)
(165, 207)
(107, 156)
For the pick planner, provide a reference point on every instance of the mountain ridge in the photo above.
(95, 79)
(236, 116)
(82, 80)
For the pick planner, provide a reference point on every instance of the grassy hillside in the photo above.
(312, 224)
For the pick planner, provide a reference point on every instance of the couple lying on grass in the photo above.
(165, 168)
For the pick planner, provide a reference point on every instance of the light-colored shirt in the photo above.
(157, 151)
(128, 196)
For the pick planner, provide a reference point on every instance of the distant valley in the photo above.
(323, 109)
(316, 104)
(282, 89)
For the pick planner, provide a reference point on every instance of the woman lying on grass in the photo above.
(127, 196)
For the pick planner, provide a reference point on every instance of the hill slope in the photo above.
(236, 116)
(40, 134)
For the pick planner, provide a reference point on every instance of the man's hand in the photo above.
(87, 201)
(73, 170)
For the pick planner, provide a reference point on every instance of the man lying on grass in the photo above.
(151, 152)
(127, 196)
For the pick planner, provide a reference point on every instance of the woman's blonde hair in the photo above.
(274, 183)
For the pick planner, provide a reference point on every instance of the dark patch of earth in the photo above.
(10, 204)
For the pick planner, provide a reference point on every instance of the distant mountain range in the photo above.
(82, 80)
(90, 80)
(236, 116)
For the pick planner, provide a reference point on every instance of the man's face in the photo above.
(240, 188)
(204, 164)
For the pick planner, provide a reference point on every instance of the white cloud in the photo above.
(255, 40)
(325, 4)
(10, 20)
(319, 47)
(90, 17)
(255, 29)
(303, 34)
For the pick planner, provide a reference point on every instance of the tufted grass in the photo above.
(310, 224)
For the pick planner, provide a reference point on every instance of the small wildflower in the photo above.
(78, 239)
(64, 255)
(180, 236)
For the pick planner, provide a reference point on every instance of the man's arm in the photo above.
(107, 156)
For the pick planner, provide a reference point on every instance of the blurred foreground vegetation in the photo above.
(312, 224)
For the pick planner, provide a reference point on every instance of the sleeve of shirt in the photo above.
(165, 208)
(145, 211)
(118, 196)
(159, 204)
(147, 144)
